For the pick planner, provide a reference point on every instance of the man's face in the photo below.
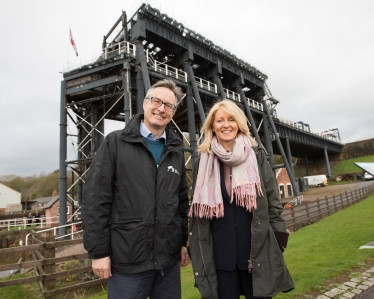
(157, 117)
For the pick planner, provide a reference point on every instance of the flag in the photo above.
(73, 43)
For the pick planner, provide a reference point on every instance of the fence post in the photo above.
(49, 252)
(319, 209)
(307, 212)
(341, 200)
(293, 218)
(333, 198)
(327, 206)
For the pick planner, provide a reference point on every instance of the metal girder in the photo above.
(95, 69)
(93, 84)
(302, 142)
(210, 53)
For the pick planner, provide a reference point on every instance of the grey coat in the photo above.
(269, 273)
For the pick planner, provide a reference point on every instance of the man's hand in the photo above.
(101, 267)
(184, 257)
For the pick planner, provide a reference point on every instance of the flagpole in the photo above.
(68, 50)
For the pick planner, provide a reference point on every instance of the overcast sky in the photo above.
(318, 55)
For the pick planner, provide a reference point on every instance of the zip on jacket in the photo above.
(250, 265)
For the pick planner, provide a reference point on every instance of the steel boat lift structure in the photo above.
(140, 51)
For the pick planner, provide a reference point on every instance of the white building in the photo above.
(10, 200)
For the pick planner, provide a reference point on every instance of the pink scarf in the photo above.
(207, 200)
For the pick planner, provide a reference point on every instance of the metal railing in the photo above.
(232, 95)
(23, 222)
(113, 50)
(207, 85)
(307, 129)
(255, 105)
(56, 229)
(165, 68)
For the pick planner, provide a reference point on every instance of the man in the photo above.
(135, 203)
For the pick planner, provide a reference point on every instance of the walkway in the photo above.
(359, 287)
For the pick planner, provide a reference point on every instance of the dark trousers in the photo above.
(233, 283)
(155, 284)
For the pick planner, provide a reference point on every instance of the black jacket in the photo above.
(132, 210)
(231, 234)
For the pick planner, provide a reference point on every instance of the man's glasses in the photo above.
(157, 102)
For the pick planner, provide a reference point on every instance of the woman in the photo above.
(236, 232)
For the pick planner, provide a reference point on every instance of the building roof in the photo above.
(49, 201)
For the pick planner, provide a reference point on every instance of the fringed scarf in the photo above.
(207, 200)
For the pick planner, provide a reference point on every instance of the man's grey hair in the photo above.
(170, 85)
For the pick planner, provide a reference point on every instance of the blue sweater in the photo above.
(156, 147)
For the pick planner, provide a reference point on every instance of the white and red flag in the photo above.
(73, 43)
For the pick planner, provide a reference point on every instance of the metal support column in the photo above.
(191, 125)
(140, 94)
(327, 163)
(140, 59)
(191, 78)
(96, 137)
(249, 114)
(63, 153)
(79, 170)
(126, 84)
(124, 26)
(306, 164)
(218, 82)
(268, 144)
(289, 155)
(290, 173)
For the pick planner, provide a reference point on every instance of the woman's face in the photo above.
(225, 128)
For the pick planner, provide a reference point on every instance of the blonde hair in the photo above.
(239, 117)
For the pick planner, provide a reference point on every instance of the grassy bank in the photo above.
(348, 166)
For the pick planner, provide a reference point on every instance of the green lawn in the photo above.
(29, 291)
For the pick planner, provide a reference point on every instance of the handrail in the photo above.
(232, 95)
(205, 84)
(255, 105)
(113, 50)
(18, 222)
(73, 232)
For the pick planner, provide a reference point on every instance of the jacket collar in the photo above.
(131, 133)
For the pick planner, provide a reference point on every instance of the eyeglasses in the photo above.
(157, 102)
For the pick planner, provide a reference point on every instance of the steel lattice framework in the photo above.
(152, 46)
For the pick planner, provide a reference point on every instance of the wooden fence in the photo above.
(311, 211)
(44, 261)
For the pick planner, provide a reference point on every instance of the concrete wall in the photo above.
(8, 197)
